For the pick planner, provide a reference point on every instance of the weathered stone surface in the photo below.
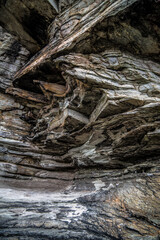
(12, 57)
(74, 25)
(28, 20)
(135, 30)
(85, 162)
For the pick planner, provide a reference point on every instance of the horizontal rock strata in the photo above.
(80, 132)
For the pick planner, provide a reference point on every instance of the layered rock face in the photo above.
(79, 122)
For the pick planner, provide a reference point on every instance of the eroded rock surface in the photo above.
(80, 132)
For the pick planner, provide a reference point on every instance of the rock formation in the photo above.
(79, 120)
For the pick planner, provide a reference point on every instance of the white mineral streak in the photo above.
(10, 194)
(98, 184)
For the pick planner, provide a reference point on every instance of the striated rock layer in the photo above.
(80, 126)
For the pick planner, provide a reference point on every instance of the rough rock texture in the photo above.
(80, 127)
(28, 20)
